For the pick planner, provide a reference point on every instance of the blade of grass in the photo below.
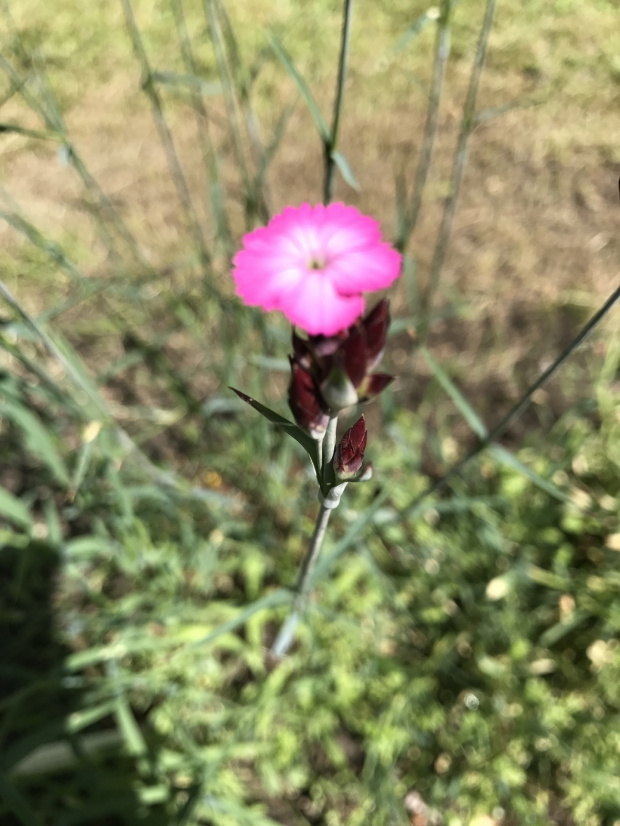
(129, 729)
(230, 102)
(260, 194)
(468, 124)
(515, 411)
(302, 86)
(78, 376)
(418, 25)
(466, 410)
(48, 110)
(165, 134)
(191, 79)
(442, 52)
(502, 454)
(209, 154)
(14, 510)
(274, 599)
(38, 440)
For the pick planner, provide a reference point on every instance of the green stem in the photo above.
(501, 427)
(285, 637)
(330, 148)
(329, 502)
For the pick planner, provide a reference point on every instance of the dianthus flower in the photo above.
(313, 264)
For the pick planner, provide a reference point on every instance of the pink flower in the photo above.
(313, 264)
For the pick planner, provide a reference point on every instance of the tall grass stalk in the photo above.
(442, 52)
(232, 113)
(517, 409)
(468, 124)
(261, 197)
(203, 133)
(174, 164)
(48, 110)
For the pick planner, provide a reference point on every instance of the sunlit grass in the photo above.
(460, 645)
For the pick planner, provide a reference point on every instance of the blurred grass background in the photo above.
(460, 663)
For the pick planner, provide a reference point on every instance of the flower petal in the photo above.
(317, 308)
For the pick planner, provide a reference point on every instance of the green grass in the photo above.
(462, 643)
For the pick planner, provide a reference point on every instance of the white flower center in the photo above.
(316, 262)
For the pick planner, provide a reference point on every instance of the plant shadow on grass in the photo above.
(49, 772)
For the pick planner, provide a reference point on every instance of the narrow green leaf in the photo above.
(554, 634)
(278, 597)
(14, 510)
(510, 460)
(301, 84)
(345, 170)
(467, 411)
(29, 133)
(38, 440)
(309, 444)
(134, 741)
(53, 522)
(412, 285)
(83, 718)
(477, 425)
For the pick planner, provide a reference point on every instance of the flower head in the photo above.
(313, 264)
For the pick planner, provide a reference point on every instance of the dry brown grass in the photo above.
(534, 248)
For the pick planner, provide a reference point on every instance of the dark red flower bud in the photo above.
(376, 326)
(305, 401)
(349, 454)
(341, 365)
(372, 385)
(351, 356)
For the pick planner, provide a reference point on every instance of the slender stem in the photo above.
(442, 52)
(230, 102)
(286, 635)
(165, 135)
(305, 574)
(259, 190)
(502, 426)
(468, 123)
(211, 162)
(330, 148)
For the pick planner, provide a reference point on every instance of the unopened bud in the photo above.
(375, 326)
(338, 390)
(349, 454)
(372, 385)
(305, 402)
